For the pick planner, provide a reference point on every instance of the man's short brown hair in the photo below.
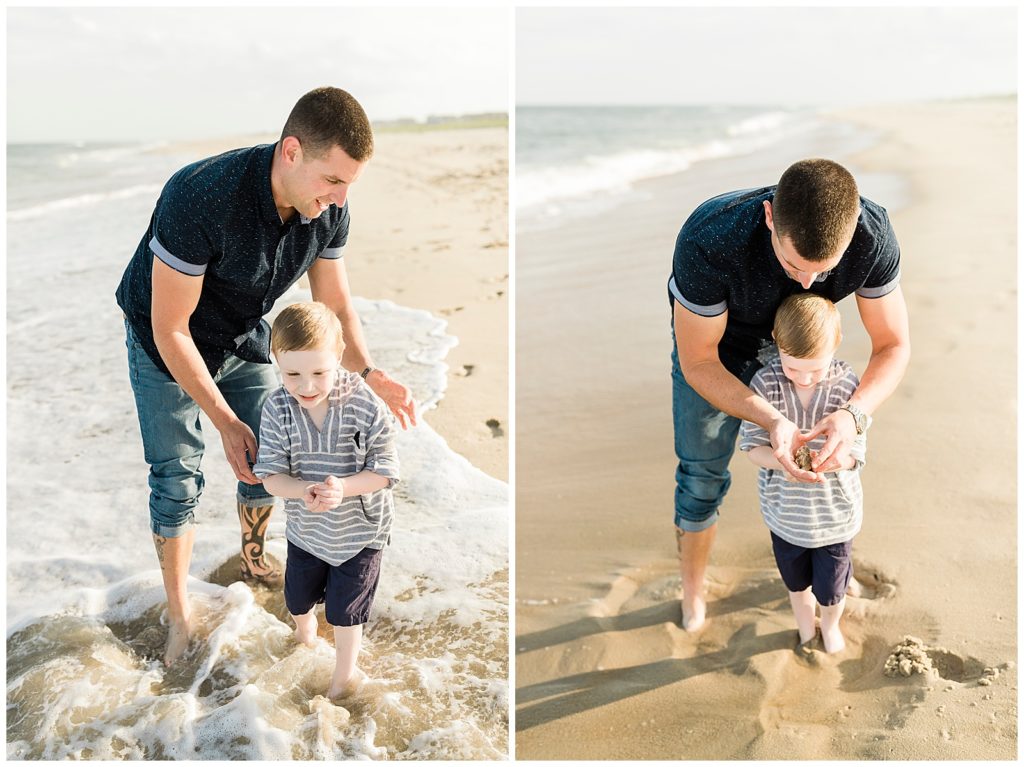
(816, 206)
(304, 326)
(328, 117)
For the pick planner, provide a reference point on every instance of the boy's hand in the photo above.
(329, 493)
(310, 497)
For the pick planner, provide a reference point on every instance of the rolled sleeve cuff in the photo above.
(881, 290)
(704, 311)
(333, 253)
(174, 262)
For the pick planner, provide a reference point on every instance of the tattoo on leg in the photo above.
(679, 541)
(159, 541)
(254, 521)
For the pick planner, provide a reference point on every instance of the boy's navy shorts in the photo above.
(827, 570)
(346, 590)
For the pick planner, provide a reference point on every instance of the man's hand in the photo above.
(786, 438)
(840, 431)
(238, 439)
(395, 396)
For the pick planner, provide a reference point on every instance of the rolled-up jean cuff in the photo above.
(696, 526)
(254, 501)
(171, 531)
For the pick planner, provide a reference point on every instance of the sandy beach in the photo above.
(85, 607)
(604, 670)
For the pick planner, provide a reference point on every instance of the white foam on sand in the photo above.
(85, 601)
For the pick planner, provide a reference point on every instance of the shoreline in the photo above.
(601, 660)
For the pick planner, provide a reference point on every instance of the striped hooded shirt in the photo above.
(357, 434)
(806, 514)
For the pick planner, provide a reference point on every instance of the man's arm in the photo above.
(328, 282)
(175, 297)
(697, 340)
(888, 325)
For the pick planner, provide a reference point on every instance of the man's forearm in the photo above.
(356, 356)
(186, 366)
(726, 392)
(883, 374)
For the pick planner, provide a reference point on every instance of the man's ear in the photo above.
(291, 149)
(768, 220)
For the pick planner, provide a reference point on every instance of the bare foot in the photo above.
(833, 640)
(178, 636)
(306, 635)
(348, 687)
(694, 612)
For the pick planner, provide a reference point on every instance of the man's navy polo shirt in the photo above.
(217, 218)
(724, 261)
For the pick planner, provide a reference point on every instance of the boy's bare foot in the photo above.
(833, 639)
(306, 635)
(350, 686)
(178, 636)
(694, 612)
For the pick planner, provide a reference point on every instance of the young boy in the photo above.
(812, 524)
(326, 447)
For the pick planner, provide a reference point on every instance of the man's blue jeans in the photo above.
(172, 437)
(705, 442)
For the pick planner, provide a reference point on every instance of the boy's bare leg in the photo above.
(347, 640)
(305, 627)
(254, 520)
(175, 555)
(804, 605)
(694, 553)
(830, 633)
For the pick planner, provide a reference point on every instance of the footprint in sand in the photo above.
(464, 372)
(495, 426)
(869, 582)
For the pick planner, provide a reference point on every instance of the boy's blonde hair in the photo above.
(304, 326)
(807, 325)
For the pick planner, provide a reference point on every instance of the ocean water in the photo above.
(573, 161)
(85, 607)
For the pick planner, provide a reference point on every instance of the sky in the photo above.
(795, 56)
(150, 74)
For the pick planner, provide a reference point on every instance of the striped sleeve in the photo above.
(752, 435)
(274, 455)
(859, 448)
(381, 455)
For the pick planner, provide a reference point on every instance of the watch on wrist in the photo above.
(860, 418)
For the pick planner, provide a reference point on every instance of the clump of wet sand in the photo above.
(910, 656)
(804, 457)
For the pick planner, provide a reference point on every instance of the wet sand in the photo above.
(603, 668)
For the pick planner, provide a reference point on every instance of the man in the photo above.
(736, 258)
(229, 235)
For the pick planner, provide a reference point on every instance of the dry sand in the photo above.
(603, 668)
(450, 257)
(449, 190)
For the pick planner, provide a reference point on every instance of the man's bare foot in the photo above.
(351, 685)
(178, 635)
(833, 639)
(694, 612)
